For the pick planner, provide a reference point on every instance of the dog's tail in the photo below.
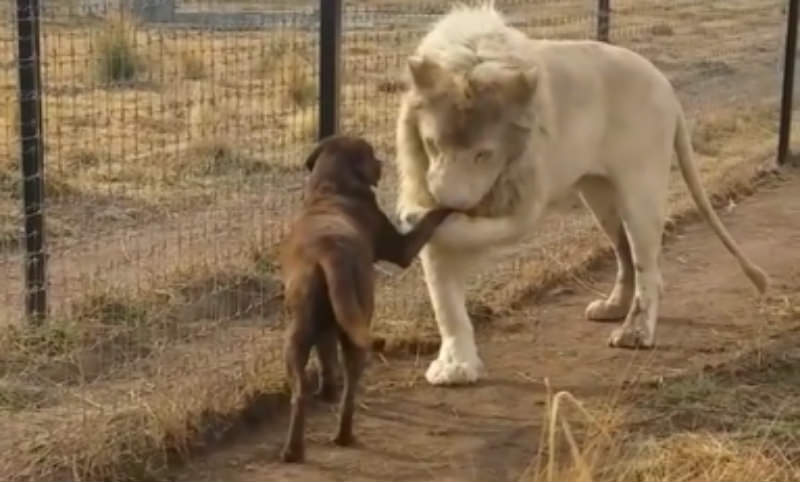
(350, 291)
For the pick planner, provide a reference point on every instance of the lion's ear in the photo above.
(510, 83)
(522, 85)
(426, 75)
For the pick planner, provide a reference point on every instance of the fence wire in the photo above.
(9, 137)
(174, 138)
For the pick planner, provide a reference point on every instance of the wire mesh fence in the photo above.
(147, 123)
(10, 219)
(174, 138)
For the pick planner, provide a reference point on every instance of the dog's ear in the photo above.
(312, 158)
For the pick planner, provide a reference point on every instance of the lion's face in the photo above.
(470, 130)
(467, 150)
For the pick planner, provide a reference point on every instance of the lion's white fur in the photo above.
(499, 125)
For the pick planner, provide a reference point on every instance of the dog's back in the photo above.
(327, 265)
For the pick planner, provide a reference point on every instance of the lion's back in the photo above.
(618, 68)
(599, 92)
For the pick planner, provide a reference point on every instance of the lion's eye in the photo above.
(483, 156)
(430, 145)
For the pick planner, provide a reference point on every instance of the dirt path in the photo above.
(409, 430)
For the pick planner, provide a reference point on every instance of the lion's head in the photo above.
(471, 126)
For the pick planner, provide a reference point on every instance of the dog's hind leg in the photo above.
(355, 359)
(327, 355)
(350, 289)
(296, 352)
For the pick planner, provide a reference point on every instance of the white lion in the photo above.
(499, 126)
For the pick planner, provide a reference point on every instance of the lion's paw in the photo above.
(602, 310)
(625, 337)
(450, 372)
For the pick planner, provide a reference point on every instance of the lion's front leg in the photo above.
(460, 232)
(458, 360)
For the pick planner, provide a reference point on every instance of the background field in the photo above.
(173, 154)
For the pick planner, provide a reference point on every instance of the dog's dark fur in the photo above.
(328, 274)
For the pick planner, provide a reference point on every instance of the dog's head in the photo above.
(346, 161)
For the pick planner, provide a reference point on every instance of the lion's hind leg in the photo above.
(600, 197)
(643, 208)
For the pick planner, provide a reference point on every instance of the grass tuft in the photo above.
(117, 59)
(193, 66)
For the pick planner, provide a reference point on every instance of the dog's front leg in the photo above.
(458, 361)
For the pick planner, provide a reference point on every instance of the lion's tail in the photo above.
(349, 290)
(690, 174)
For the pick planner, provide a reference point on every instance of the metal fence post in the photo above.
(330, 38)
(32, 159)
(603, 19)
(789, 50)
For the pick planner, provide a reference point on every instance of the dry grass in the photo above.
(116, 390)
(118, 62)
(714, 130)
(737, 421)
(193, 66)
(685, 456)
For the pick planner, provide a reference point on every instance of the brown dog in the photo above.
(328, 275)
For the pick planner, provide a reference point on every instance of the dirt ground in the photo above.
(409, 430)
